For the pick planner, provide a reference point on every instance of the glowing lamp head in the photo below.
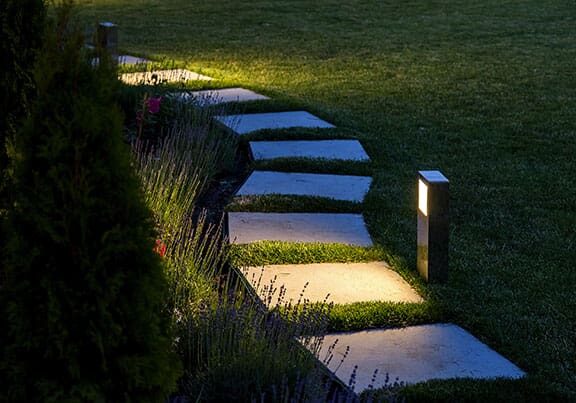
(422, 197)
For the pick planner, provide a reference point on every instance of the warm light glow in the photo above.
(422, 197)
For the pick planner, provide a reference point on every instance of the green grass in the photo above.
(276, 252)
(483, 90)
(294, 204)
(299, 134)
(368, 315)
(314, 165)
(465, 390)
(372, 314)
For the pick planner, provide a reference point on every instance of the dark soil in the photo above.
(220, 192)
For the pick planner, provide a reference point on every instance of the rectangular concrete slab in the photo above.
(162, 76)
(348, 229)
(218, 97)
(131, 60)
(247, 123)
(343, 283)
(415, 354)
(327, 149)
(339, 187)
(124, 60)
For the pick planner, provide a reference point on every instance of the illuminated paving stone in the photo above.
(125, 60)
(217, 97)
(416, 354)
(345, 282)
(298, 227)
(129, 60)
(339, 187)
(327, 149)
(247, 123)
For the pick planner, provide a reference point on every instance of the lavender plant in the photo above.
(233, 347)
(176, 169)
(242, 352)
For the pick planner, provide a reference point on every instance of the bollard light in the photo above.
(107, 38)
(433, 226)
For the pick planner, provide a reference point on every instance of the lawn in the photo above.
(484, 90)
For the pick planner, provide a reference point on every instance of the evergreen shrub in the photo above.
(85, 292)
(21, 28)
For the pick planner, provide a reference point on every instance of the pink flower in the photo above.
(154, 104)
(160, 248)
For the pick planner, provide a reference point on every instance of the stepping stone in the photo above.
(243, 124)
(124, 60)
(345, 282)
(222, 96)
(328, 149)
(298, 227)
(130, 60)
(162, 76)
(415, 354)
(339, 187)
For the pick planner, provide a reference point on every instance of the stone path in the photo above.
(350, 150)
(339, 187)
(131, 60)
(349, 282)
(244, 124)
(124, 60)
(221, 96)
(415, 354)
(411, 354)
(347, 229)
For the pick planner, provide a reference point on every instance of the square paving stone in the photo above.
(327, 149)
(415, 354)
(131, 60)
(339, 187)
(218, 97)
(124, 60)
(348, 229)
(344, 282)
(162, 76)
(247, 123)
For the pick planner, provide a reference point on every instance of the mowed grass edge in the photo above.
(481, 90)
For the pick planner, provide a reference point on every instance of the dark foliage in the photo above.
(84, 293)
(21, 28)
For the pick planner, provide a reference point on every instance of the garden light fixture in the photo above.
(107, 38)
(433, 226)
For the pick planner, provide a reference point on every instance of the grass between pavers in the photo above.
(152, 65)
(277, 252)
(481, 391)
(297, 133)
(274, 104)
(382, 314)
(481, 90)
(375, 314)
(264, 253)
(276, 203)
(314, 165)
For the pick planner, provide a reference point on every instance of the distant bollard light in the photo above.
(433, 226)
(107, 38)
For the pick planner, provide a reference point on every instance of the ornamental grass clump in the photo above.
(85, 293)
(194, 261)
(238, 351)
(177, 168)
(232, 347)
